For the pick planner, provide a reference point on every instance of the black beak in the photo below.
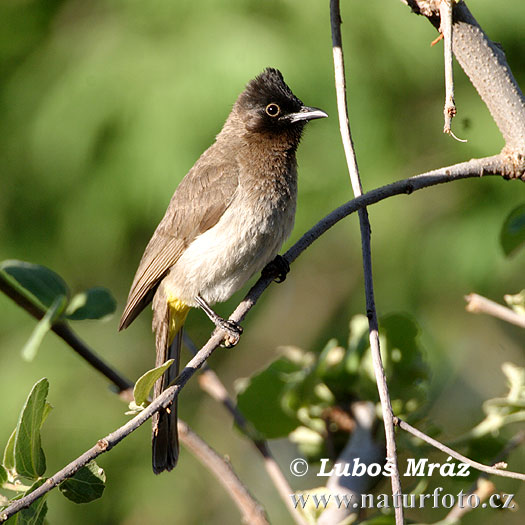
(306, 113)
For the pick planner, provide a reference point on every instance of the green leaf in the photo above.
(146, 382)
(3, 475)
(512, 234)
(34, 514)
(86, 485)
(30, 461)
(38, 284)
(260, 401)
(9, 452)
(95, 303)
(45, 324)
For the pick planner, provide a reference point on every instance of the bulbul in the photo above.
(226, 221)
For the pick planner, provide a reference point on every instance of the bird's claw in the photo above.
(277, 269)
(233, 332)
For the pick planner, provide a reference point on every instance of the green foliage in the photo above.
(144, 385)
(49, 294)
(86, 485)
(24, 459)
(260, 398)
(296, 392)
(30, 461)
(512, 234)
(95, 303)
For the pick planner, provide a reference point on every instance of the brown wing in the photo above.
(196, 206)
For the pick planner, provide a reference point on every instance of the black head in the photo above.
(268, 105)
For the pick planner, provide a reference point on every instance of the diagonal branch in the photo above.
(496, 165)
(451, 452)
(211, 384)
(251, 510)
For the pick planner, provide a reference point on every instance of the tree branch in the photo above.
(481, 305)
(213, 386)
(353, 170)
(251, 510)
(473, 168)
(451, 452)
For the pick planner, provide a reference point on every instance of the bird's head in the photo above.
(267, 105)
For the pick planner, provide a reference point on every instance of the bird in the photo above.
(226, 221)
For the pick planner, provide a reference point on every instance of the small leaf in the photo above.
(146, 382)
(3, 475)
(38, 284)
(30, 461)
(261, 400)
(512, 234)
(34, 514)
(9, 452)
(43, 326)
(86, 485)
(95, 303)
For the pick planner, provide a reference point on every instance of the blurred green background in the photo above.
(104, 108)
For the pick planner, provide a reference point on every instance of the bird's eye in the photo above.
(273, 110)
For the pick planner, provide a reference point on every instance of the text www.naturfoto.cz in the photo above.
(384, 501)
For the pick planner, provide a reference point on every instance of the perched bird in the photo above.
(225, 222)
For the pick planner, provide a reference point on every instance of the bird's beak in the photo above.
(306, 113)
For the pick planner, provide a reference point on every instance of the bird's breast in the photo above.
(248, 235)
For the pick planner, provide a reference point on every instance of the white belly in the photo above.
(220, 261)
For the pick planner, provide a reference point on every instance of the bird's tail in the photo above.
(168, 321)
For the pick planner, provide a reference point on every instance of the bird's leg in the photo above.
(277, 269)
(233, 329)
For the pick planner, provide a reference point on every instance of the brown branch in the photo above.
(481, 305)
(213, 386)
(251, 510)
(474, 168)
(364, 223)
(451, 452)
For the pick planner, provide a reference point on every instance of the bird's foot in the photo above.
(277, 269)
(233, 331)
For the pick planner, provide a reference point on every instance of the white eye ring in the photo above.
(273, 110)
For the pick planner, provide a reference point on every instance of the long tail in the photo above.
(167, 323)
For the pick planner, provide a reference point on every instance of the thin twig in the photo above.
(210, 382)
(63, 330)
(485, 64)
(449, 111)
(344, 125)
(481, 305)
(251, 510)
(473, 168)
(458, 511)
(474, 464)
